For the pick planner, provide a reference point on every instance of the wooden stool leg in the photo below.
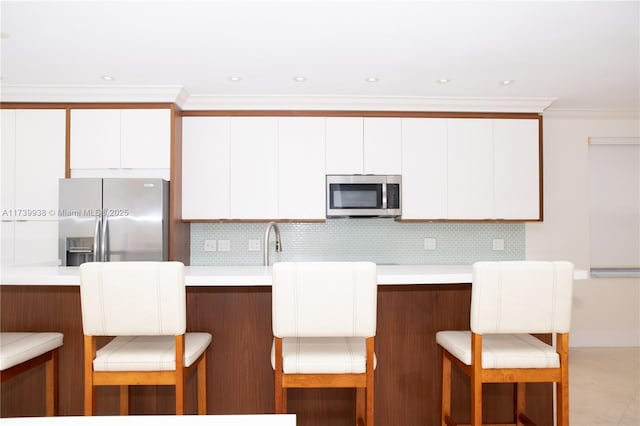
(361, 406)
(89, 389)
(446, 388)
(521, 402)
(51, 384)
(202, 385)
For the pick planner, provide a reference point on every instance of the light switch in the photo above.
(429, 243)
(210, 245)
(224, 245)
(254, 245)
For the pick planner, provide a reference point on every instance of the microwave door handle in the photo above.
(104, 243)
(384, 195)
(96, 239)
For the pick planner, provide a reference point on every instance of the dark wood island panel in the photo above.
(239, 376)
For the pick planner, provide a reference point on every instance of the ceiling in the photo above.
(573, 55)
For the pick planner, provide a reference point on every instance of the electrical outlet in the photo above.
(429, 243)
(224, 245)
(498, 244)
(210, 245)
(254, 245)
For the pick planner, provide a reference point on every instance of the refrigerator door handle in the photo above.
(104, 242)
(96, 240)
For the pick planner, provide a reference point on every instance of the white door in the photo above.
(424, 168)
(469, 169)
(7, 229)
(301, 176)
(205, 167)
(253, 167)
(344, 145)
(382, 146)
(516, 169)
(7, 163)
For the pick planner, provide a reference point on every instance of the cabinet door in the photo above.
(253, 167)
(344, 145)
(7, 229)
(382, 146)
(424, 168)
(516, 169)
(145, 138)
(205, 167)
(301, 177)
(7, 158)
(469, 169)
(95, 139)
(40, 162)
(36, 243)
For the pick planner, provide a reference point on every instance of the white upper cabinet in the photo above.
(145, 138)
(301, 168)
(469, 169)
(382, 146)
(254, 168)
(205, 168)
(33, 151)
(424, 168)
(344, 145)
(516, 169)
(114, 142)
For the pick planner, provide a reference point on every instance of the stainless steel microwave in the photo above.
(364, 195)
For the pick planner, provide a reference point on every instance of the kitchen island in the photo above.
(234, 305)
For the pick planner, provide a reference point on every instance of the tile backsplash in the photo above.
(383, 241)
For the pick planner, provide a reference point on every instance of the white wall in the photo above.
(606, 311)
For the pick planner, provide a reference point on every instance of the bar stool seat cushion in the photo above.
(323, 355)
(18, 347)
(501, 350)
(148, 353)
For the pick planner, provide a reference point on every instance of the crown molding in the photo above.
(186, 101)
(96, 93)
(592, 113)
(366, 103)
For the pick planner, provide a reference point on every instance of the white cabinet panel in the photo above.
(120, 143)
(254, 167)
(516, 169)
(145, 138)
(301, 160)
(40, 161)
(95, 138)
(7, 230)
(470, 169)
(344, 145)
(205, 168)
(382, 146)
(424, 168)
(36, 243)
(8, 162)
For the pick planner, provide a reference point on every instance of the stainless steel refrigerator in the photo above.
(115, 219)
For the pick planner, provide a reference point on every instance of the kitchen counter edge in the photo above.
(229, 276)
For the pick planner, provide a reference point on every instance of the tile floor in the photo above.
(604, 386)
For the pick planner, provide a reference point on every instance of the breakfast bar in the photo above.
(234, 305)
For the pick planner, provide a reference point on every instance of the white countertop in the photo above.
(213, 276)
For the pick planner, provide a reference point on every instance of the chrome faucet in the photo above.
(266, 241)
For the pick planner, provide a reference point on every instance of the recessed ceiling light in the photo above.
(299, 78)
(372, 79)
(235, 78)
(506, 82)
(108, 78)
(443, 80)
